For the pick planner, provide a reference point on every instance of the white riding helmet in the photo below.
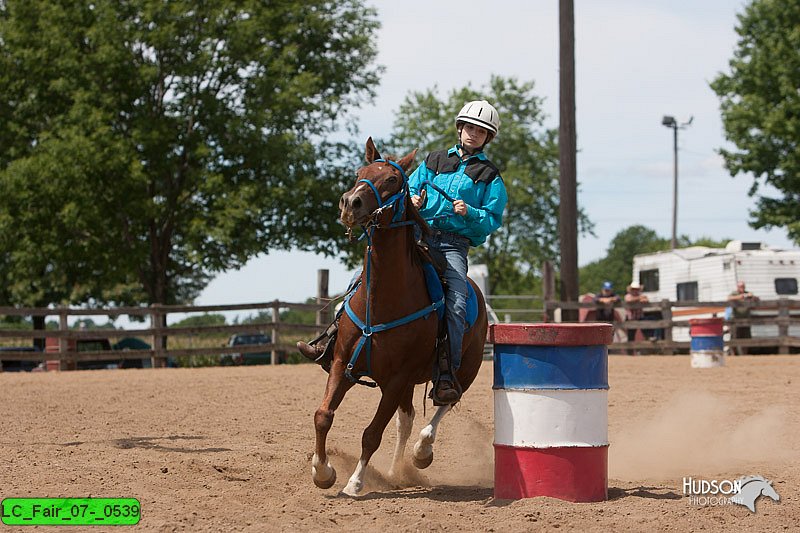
(481, 113)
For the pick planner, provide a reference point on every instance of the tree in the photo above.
(527, 155)
(760, 107)
(617, 265)
(145, 146)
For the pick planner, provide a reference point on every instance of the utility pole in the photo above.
(568, 204)
(670, 122)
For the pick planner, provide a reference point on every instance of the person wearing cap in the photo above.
(460, 193)
(605, 301)
(633, 295)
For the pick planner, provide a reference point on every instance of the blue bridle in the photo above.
(398, 201)
(398, 198)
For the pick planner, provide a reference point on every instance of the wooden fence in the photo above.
(67, 354)
(783, 313)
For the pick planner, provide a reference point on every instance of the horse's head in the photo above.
(381, 189)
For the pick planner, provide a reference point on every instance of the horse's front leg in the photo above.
(423, 449)
(371, 439)
(405, 421)
(323, 474)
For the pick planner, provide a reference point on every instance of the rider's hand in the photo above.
(419, 199)
(460, 208)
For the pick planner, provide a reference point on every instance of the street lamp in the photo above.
(670, 122)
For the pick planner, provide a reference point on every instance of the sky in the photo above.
(635, 61)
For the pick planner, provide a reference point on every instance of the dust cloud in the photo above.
(695, 433)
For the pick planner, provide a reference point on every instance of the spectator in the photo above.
(633, 295)
(741, 331)
(605, 302)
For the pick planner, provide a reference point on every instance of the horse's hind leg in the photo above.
(322, 472)
(405, 421)
(423, 449)
(371, 439)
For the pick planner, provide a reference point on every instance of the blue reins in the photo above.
(366, 326)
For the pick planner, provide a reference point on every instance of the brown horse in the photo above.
(392, 287)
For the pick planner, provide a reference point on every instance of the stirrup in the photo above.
(325, 359)
(447, 395)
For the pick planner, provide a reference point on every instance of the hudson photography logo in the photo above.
(743, 491)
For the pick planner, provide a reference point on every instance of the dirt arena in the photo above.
(229, 449)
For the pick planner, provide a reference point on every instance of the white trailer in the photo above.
(707, 274)
(711, 274)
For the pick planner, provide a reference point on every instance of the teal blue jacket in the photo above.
(475, 180)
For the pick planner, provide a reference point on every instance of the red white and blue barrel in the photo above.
(707, 346)
(551, 410)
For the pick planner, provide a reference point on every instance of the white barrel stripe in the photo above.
(707, 359)
(551, 418)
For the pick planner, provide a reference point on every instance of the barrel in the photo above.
(707, 346)
(551, 410)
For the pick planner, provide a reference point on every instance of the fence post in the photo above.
(666, 314)
(157, 323)
(276, 318)
(323, 315)
(548, 288)
(783, 326)
(63, 342)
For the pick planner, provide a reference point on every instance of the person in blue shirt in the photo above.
(460, 193)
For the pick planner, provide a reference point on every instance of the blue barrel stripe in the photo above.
(707, 343)
(550, 367)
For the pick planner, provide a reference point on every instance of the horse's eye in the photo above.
(392, 179)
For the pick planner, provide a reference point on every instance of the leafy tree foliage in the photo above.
(146, 145)
(527, 155)
(617, 265)
(760, 105)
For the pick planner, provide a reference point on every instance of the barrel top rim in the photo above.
(552, 334)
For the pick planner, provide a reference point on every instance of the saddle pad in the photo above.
(436, 292)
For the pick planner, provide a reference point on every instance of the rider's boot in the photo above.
(320, 350)
(446, 389)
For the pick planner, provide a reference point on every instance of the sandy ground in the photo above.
(229, 449)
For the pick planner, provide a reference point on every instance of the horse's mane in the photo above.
(412, 213)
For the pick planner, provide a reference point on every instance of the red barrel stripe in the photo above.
(576, 473)
(705, 327)
(551, 334)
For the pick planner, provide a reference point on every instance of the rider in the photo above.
(470, 209)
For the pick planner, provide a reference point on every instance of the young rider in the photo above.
(460, 192)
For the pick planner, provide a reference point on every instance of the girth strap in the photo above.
(367, 330)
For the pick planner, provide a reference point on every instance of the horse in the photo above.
(392, 292)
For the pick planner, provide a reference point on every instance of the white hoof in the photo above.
(324, 475)
(353, 488)
(423, 455)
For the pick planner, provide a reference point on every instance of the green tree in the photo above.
(146, 145)
(760, 105)
(527, 155)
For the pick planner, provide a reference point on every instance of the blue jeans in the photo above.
(455, 249)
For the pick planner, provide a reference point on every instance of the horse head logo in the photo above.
(752, 488)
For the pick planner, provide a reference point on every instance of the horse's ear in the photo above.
(408, 160)
(371, 153)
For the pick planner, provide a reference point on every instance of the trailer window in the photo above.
(687, 291)
(786, 285)
(649, 280)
